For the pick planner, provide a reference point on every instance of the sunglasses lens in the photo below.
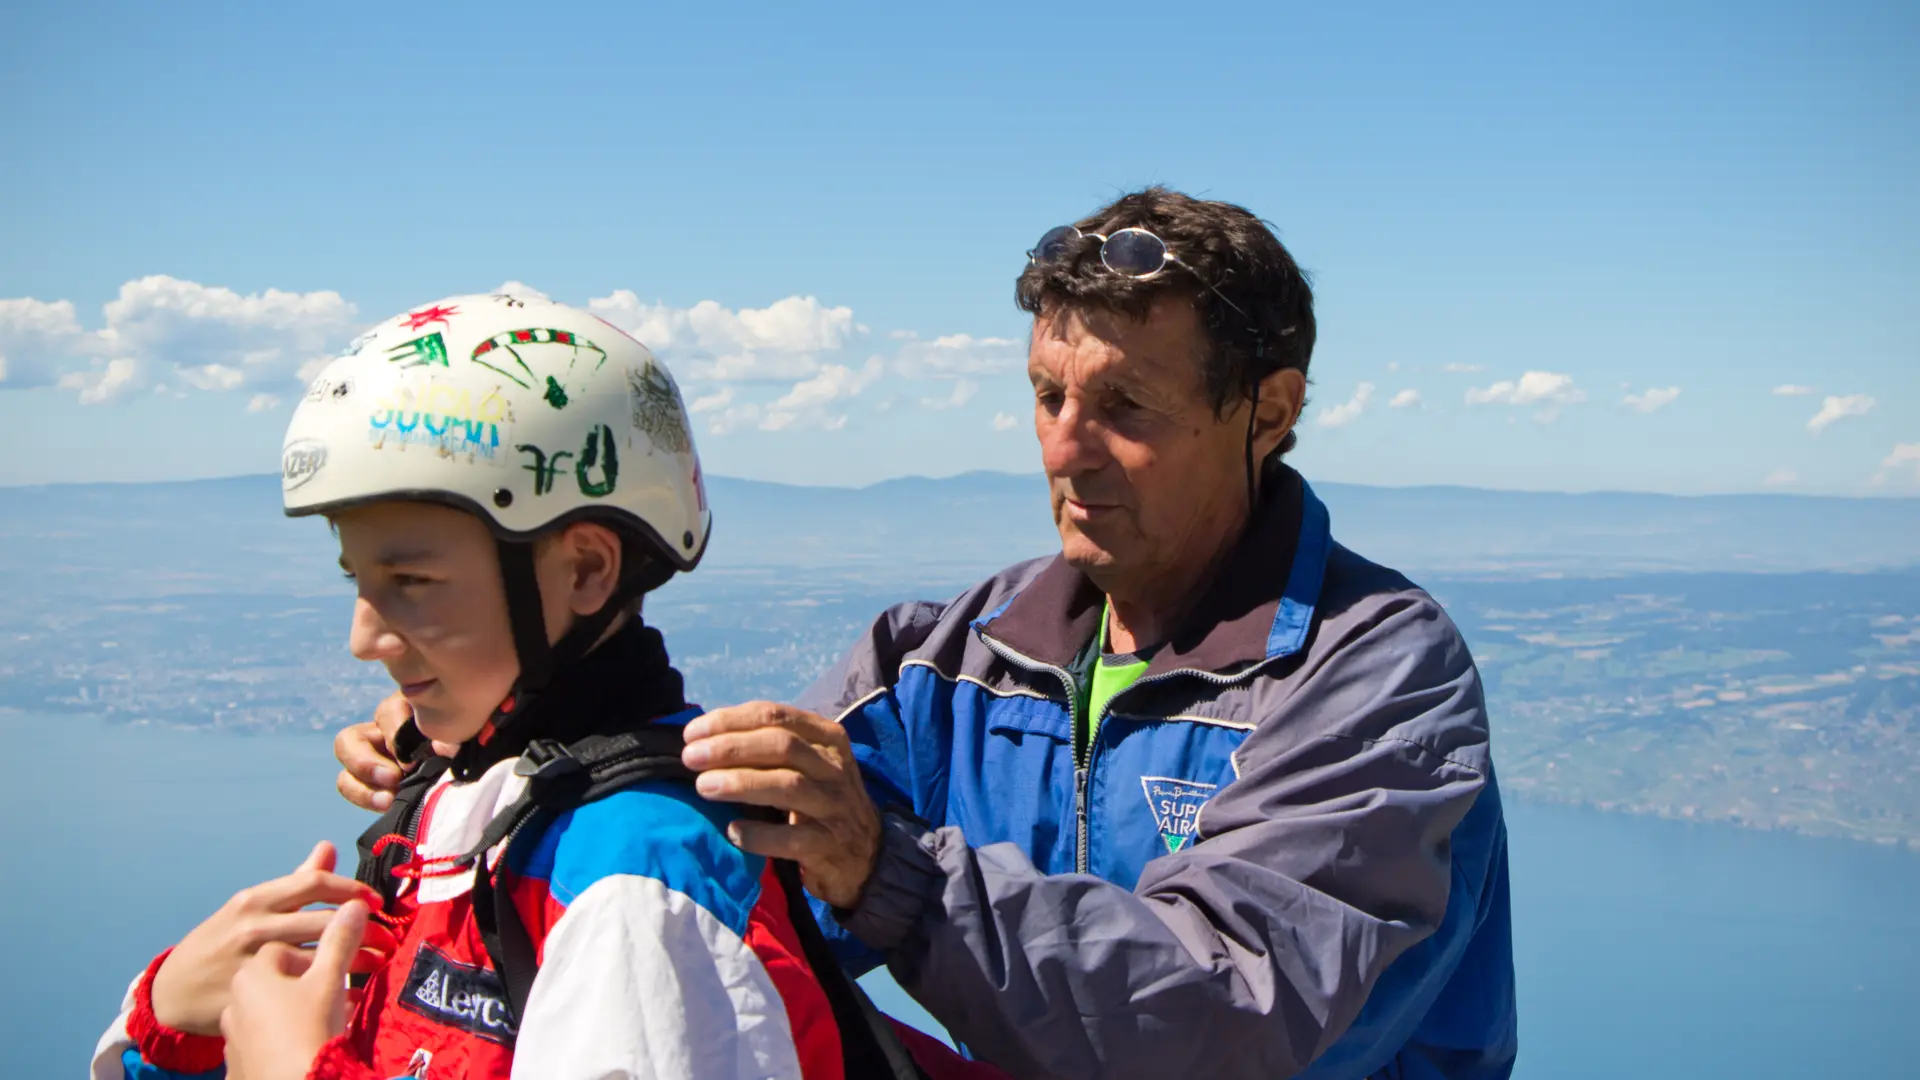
(1134, 253)
(1054, 243)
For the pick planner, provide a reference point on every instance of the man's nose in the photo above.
(1070, 442)
(370, 638)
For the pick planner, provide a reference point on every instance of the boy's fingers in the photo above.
(364, 757)
(291, 962)
(303, 887)
(360, 795)
(293, 928)
(334, 955)
(321, 858)
(390, 716)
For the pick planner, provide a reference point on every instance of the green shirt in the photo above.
(1111, 674)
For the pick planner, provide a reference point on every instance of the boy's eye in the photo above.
(407, 581)
(348, 574)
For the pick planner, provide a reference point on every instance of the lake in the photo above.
(1645, 948)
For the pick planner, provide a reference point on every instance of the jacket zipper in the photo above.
(1082, 761)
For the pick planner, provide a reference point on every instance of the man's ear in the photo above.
(1282, 395)
(594, 557)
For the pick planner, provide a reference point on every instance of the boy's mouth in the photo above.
(415, 689)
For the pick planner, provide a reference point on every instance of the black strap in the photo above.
(426, 768)
(560, 778)
(525, 615)
(869, 1045)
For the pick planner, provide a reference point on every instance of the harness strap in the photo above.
(869, 1046)
(560, 778)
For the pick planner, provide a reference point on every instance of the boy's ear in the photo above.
(595, 555)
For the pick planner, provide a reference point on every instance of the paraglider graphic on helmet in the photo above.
(534, 360)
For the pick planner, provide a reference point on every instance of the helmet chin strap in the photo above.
(540, 660)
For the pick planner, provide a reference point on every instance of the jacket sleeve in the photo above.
(639, 982)
(1249, 953)
(138, 1047)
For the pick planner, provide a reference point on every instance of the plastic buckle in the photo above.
(546, 760)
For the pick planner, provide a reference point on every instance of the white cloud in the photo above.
(955, 355)
(1405, 399)
(1348, 411)
(1004, 421)
(1548, 389)
(213, 377)
(1839, 408)
(35, 336)
(1462, 369)
(113, 379)
(1904, 460)
(719, 400)
(1653, 398)
(521, 289)
(1790, 390)
(1781, 478)
(1393, 365)
(263, 403)
(710, 342)
(963, 391)
(163, 331)
(809, 403)
(216, 338)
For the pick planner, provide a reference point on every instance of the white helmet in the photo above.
(528, 413)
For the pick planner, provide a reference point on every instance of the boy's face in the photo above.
(431, 608)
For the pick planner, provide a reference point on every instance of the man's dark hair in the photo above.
(1226, 247)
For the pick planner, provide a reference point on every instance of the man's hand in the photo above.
(192, 987)
(789, 759)
(287, 1002)
(369, 775)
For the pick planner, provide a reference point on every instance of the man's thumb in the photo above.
(333, 956)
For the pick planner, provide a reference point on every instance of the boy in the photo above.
(507, 477)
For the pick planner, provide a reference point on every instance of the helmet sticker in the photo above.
(434, 314)
(300, 462)
(324, 389)
(657, 409)
(596, 467)
(538, 344)
(431, 349)
(444, 417)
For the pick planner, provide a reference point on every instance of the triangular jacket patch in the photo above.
(1176, 807)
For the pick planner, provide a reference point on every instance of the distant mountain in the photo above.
(957, 527)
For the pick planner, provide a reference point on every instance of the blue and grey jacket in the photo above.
(1282, 854)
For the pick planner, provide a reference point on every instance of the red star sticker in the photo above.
(434, 314)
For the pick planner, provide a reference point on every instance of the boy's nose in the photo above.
(370, 638)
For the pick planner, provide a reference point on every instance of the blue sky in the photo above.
(1633, 248)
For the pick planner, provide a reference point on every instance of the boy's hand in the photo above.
(369, 775)
(287, 1002)
(192, 986)
(789, 759)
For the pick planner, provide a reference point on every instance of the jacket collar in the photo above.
(1258, 608)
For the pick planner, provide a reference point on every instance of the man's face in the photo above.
(1147, 484)
(431, 608)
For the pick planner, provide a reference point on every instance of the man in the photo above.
(1206, 794)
